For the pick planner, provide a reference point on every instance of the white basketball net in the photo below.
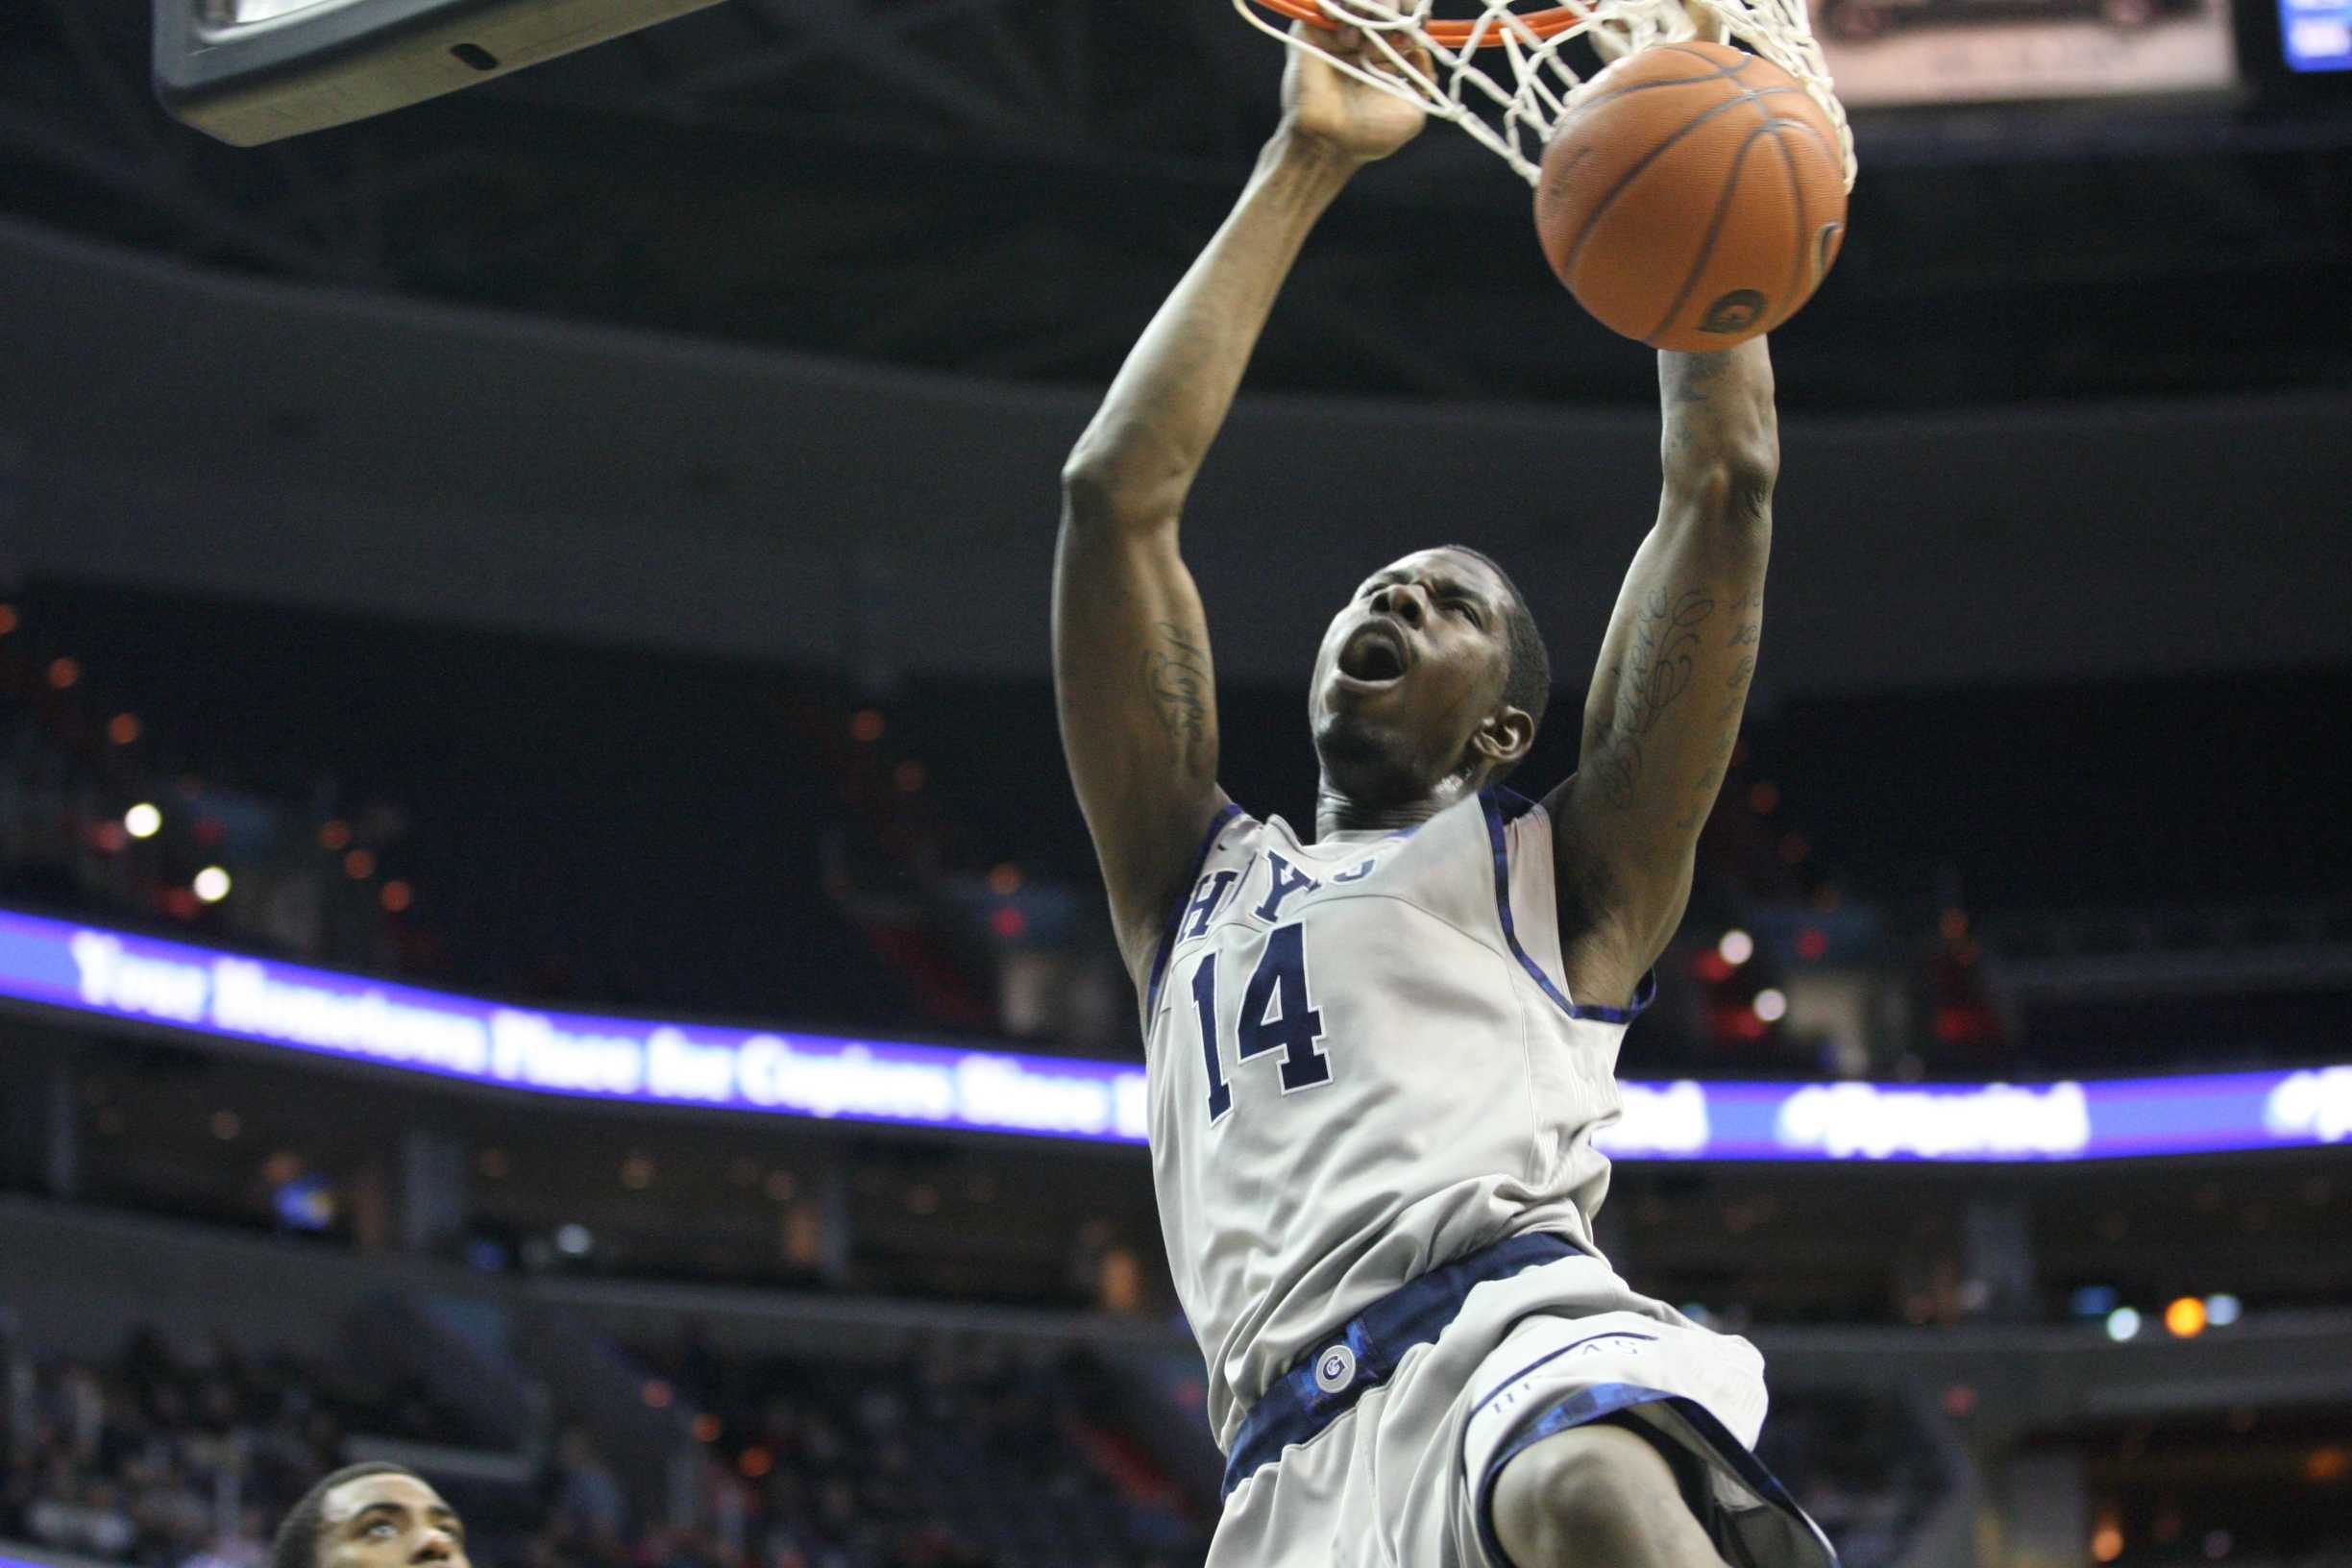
(1510, 93)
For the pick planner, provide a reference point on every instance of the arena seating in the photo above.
(174, 1454)
(182, 1455)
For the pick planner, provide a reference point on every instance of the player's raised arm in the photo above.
(1132, 669)
(1663, 712)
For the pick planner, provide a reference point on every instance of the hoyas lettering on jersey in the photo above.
(1281, 881)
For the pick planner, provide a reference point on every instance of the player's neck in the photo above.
(1338, 812)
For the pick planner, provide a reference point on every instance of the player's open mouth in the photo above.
(1375, 655)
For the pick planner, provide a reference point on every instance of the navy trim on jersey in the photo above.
(1609, 1401)
(1184, 893)
(1642, 990)
(1298, 1408)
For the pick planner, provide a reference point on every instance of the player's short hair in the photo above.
(1527, 677)
(297, 1542)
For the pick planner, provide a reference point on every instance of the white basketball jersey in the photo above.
(1364, 1063)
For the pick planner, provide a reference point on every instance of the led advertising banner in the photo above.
(2316, 34)
(103, 973)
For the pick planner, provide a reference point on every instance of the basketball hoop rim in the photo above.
(1455, 34)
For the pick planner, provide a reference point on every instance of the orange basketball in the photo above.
(1693, 198)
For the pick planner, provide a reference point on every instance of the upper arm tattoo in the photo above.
(1176, 680)
(1654, 675)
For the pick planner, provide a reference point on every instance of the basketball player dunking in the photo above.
(1377, 1054)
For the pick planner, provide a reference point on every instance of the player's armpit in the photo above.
(1135, 690)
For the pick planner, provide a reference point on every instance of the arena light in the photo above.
(2185, 1317)
(2221, 1310)
(2124, 1323)
(212, 885)
(573, 1241)
(143, 821)
(1772, 1006)
(95, 972)
(1737, 948)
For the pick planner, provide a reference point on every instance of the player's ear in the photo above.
(1505, 737)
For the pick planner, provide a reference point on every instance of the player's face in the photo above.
(1408, 673)
(389, 1522)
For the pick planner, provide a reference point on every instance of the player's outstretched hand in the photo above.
(1329, 105)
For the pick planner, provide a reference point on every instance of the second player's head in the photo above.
(371, 1516)
(1430, 683)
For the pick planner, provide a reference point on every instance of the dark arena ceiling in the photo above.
(1007, 188)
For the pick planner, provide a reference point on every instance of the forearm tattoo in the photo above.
(1710, 778)
(1176, 679)
(1736, 685)
(1654, 674)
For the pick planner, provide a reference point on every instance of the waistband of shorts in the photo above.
(1363, 1353)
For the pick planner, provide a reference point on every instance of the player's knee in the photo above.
(1593, 1496)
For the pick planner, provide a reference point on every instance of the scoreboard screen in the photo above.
(242, 13)
(254, 71)
(1902, 51)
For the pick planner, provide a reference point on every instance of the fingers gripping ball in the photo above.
(1694, 198)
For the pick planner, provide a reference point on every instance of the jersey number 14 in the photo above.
(1278, 1014)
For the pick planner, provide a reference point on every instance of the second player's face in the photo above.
(1407, 674)
(389, 1521)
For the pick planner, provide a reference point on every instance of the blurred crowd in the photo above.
(177, 1455)
(184, 1456)
(181, 1453)
(961, 1455)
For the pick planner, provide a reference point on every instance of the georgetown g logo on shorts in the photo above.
(1334, 1369)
